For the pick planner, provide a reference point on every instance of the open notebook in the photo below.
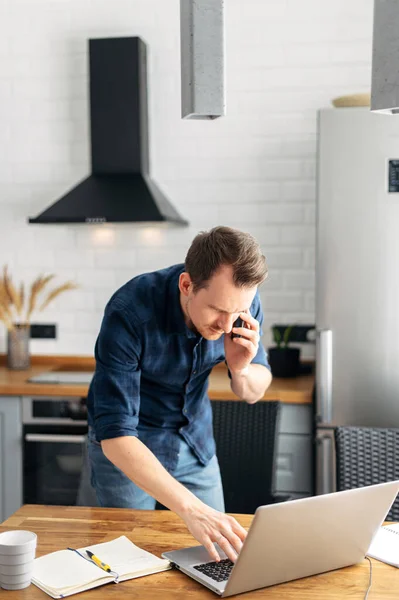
(66, 572)
(385, 545)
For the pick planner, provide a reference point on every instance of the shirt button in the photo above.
(184, 411)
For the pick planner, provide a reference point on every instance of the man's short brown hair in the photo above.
(221, 246)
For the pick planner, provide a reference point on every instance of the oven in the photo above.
(54, 440)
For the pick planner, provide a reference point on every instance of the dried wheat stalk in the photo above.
(4, 299)
(22, 294)
(6, 318)
(12, 301)
(5, 306)
(37, 286)
(7, 311)
(69, 285)
(12, 293)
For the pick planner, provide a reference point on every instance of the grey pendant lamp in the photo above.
(385, 63)
(202, 59)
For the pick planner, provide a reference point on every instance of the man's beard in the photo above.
(192, 327)
(190, 323)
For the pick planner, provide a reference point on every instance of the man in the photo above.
(150, 419)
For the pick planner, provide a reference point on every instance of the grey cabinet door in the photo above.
(10, 456)
(294, 472)
(294, 464)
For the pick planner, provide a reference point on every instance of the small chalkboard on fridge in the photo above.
(393, 176)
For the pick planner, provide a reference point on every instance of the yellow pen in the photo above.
(98, 562)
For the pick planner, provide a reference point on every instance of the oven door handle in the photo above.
(55, 438)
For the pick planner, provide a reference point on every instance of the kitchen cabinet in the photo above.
(10, 455)
(294, 462)
(294, 470)
(294, 465)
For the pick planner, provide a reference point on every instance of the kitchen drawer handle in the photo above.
(55, 438)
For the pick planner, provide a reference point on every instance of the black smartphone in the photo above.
(237, 323)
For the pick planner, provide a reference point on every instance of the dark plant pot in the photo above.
(284, 362)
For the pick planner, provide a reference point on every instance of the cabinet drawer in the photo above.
(294, 464)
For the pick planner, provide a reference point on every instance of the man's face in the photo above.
(212, 311)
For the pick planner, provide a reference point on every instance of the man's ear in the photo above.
(185, 284)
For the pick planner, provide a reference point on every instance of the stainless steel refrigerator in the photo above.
(357, 277)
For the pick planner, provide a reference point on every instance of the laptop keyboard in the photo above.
(218, 571)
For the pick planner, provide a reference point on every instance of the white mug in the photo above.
(17, 553)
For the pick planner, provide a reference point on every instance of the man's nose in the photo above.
(226, 323)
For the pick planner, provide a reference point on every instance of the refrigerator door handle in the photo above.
(325, 465)
(324, 375)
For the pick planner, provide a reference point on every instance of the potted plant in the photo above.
(284, 361)
(16, 311)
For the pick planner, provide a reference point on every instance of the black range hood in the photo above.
(120, 189)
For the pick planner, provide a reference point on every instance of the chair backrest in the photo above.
(367, 455)
(246, 440)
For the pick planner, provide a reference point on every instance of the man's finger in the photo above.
(213, 553)
(238, 529)
(227, 548)
(235, 541)
(249, 334)
(244, 342)
(250, 320)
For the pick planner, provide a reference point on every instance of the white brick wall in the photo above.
(254, 169)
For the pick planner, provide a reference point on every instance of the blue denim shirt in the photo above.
(151, 376)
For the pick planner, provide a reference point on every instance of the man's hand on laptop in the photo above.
(208, 525)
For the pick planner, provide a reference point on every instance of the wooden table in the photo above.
(159, 531)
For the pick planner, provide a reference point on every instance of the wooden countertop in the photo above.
(297, 390)
(58, 527)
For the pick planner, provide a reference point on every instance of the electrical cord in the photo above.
(370, 578)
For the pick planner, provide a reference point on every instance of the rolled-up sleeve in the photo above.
(116, 382)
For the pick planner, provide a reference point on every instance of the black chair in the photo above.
(246, 440)
(365, 456)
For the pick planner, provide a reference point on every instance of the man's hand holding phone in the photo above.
(241, 346)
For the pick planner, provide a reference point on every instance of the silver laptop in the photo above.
(295, 539)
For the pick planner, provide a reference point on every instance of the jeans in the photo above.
(115, 490)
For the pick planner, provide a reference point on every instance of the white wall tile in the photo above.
(254, 169)
(284, 258)
(310, 258)
(298, 280)
(298, 235)
(282, 301)
(310, 302)
(298, 190)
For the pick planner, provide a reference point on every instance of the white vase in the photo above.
(18, 356)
